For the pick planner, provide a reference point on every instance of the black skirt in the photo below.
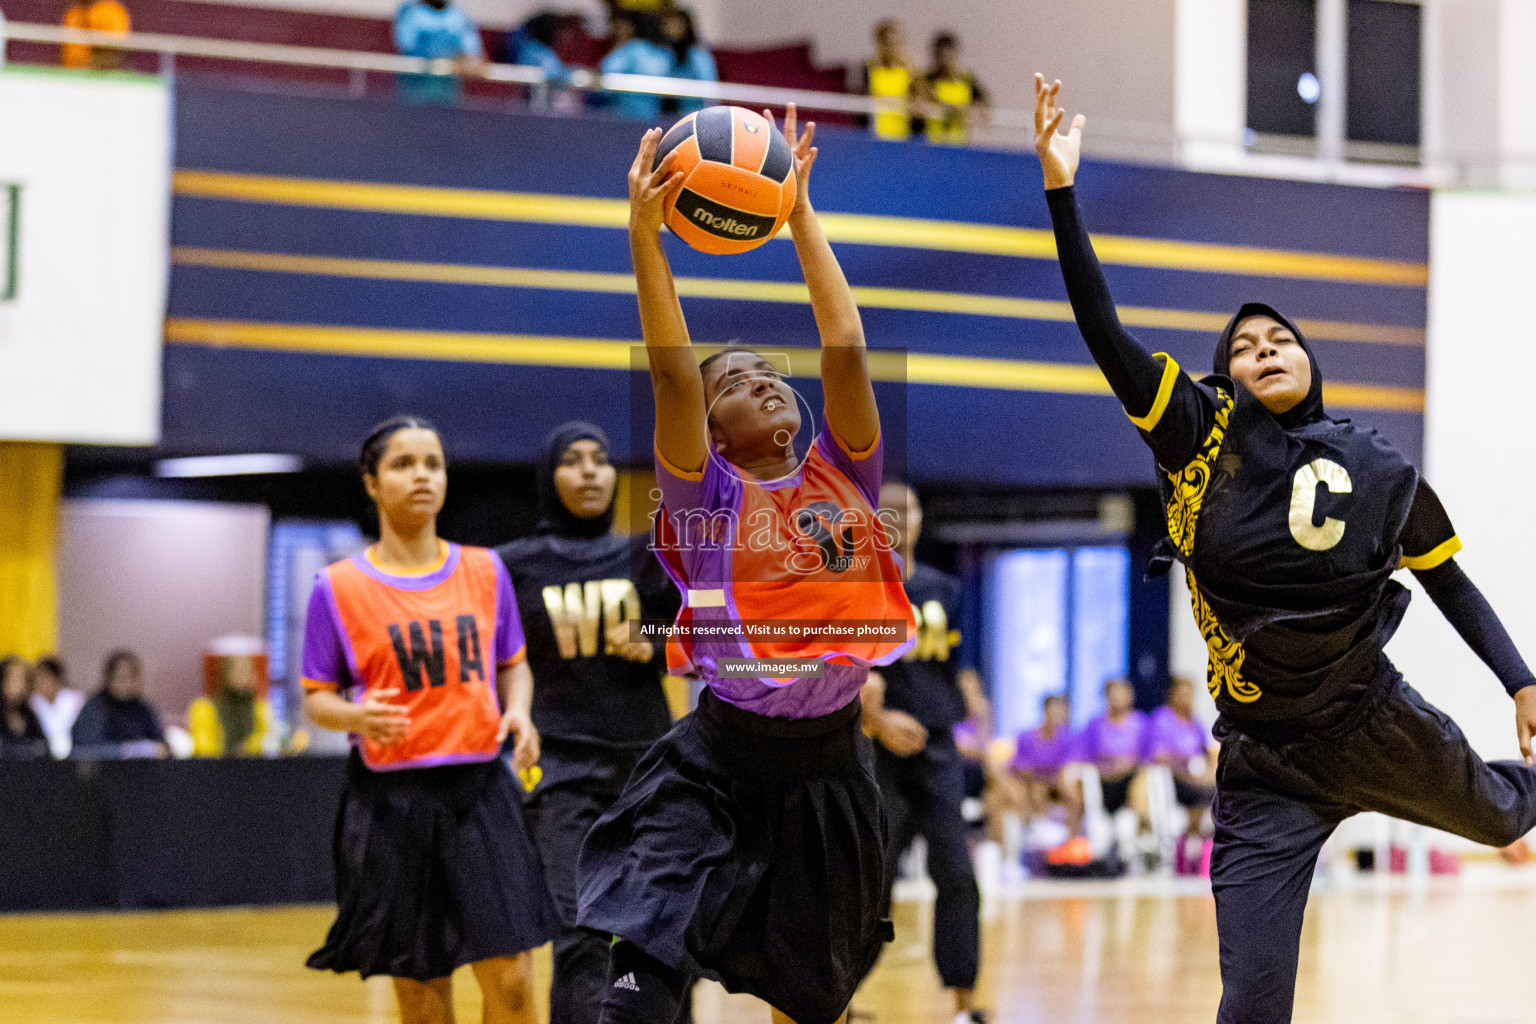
(434, 870)
(748, 850)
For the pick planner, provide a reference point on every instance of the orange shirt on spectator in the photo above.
(98, 16)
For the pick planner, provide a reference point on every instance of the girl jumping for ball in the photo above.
(747, 846)
(1290, 524)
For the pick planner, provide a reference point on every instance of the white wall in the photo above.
(91, 159)
(1517, 92)
(1480, 448)
(161, 578)
(1115, 58)
(1186, 647)
(1211, 64)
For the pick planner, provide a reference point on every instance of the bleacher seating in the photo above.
(787, 65)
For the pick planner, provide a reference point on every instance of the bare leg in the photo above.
(425, 1002)
(1036, 799)
(1072, 798)
(963, 1000)
(506, 988)
(1001, 796)
(1139, 799)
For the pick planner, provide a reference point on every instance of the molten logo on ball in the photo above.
(725, 225)
(739, 182)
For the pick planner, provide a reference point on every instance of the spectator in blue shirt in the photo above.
(534, 46)
(437, 30)
(639, 48)
(690, 57)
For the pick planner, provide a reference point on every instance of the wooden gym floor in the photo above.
(1375, 952)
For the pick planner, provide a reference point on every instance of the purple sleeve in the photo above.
(509, 625)
(864, 468)
(1024, 752)
(1143, 735)
(325, 659)
(680, 491)
(1161, 739)
(1085, 745)
(1200, 737)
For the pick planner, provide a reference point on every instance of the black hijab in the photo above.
(1310, 408)
(554, 517)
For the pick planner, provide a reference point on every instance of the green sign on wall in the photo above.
(10, 236)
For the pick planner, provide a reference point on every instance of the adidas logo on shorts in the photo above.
(628, 983)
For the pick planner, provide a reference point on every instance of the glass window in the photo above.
(1026, 626)
(1383, 69)
(1055, 621)
(1100, 637)
(298, 550)
(1282, 73)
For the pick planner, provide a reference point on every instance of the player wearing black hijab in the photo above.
(1290, 524)
(599, 703)
(911, 708)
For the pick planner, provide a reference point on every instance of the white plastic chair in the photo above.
(1097, 826)
(1168, 819)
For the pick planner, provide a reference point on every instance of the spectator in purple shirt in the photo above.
(1114, 743)
(1039, 760)
(1184, 746)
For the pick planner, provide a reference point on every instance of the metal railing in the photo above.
(170, 47)
(1004, 127)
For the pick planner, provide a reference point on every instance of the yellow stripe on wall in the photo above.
(852, 228)
(616, 354)
(29, 528)
(756, 291)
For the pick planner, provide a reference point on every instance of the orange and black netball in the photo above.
(739, 184)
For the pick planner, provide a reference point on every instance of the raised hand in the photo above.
(1059, 154)
(1525, 721)
(802, 150)
(649, 186)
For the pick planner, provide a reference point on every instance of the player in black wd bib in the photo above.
(598, 702)
(1289, 524)
(911, 708)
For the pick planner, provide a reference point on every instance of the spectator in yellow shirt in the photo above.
(954, 96)
(889, 80)
(235, 720)
(97, 16)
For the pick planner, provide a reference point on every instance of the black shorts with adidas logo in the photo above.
(748, 850)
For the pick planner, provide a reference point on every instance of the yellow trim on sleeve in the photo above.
(855, 456)
(518, 657)
(1438, 557)
(319, 684)
(1154, 415)
(696, 475)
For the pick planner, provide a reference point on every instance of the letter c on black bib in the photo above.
(1304, 504)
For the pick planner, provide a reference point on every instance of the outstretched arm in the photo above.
(1145, 384)
(1469, 612)
(675, 379)
(1429, 545)
(850, 397)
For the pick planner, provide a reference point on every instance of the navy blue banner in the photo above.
(339, 261)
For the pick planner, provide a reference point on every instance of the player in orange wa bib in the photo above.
(747, 846)
(415, 648)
